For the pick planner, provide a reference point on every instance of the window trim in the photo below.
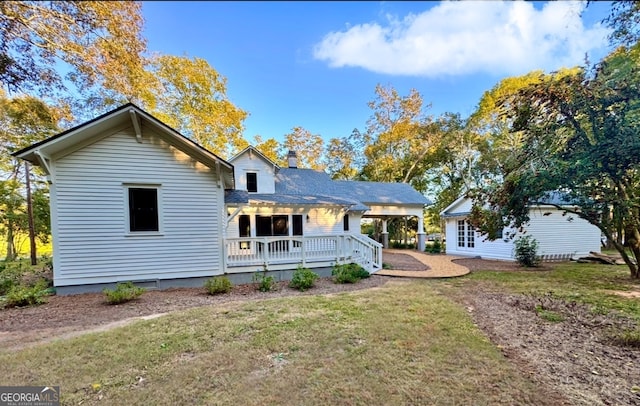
(127, 216)
(255, 174)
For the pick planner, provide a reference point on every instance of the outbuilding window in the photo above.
(143, 209)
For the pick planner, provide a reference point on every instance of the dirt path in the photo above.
(433, 266)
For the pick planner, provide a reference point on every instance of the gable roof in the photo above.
(554, 198)
(251, 149)
(127, 114)
(309, 182)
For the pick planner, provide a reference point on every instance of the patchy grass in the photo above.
(401, 344)
(591, 284)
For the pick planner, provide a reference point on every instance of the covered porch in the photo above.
(249, 254)
(385, 213)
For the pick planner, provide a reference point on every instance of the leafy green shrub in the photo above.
(434, 248)
(264, 283)
(348, 273)
(124, 292)
(303, 279)
(219, 284)
(526, 251)
(10, 276)
(19, 295)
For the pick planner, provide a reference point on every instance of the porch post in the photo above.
(421, 235)
(385, 234)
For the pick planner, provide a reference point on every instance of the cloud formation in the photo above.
(458, 38)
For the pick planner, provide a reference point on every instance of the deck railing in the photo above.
(304, 250)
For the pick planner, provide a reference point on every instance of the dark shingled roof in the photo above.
(310, 182)
(308, 186)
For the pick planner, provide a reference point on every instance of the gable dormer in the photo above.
(254, 172)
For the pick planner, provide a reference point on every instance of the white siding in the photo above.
(251, 162)
(555, 234)
(91, 232)
(565, 235)
(498, 249)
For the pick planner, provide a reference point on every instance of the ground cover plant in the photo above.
(217, 285)
(303, 279)
(124, 292)
(349, 273)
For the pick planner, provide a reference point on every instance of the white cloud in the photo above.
(455, 38)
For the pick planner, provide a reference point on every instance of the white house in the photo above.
(559, 235)
(134, 200)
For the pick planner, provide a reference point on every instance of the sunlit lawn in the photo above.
(403, 343)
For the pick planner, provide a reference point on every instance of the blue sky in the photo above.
(316, 64)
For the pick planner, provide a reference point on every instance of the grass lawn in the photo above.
(404, 343)
(591, 284)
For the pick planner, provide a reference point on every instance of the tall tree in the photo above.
(269, 148)
(401, 141)
(191, 96)
(23, 121)
(580, 137)
(345, 156)
(101, 41)
(309, 148)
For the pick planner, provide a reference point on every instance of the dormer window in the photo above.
(252, 182)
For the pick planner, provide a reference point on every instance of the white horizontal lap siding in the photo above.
(93, 242)
(325, 220)
(265, 174)
(497, 249)
(557, 235)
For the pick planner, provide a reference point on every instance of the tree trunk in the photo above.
(11, 248)
(32, 233)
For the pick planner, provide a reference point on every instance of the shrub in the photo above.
(10, 276)
(219, 284)
(20, 295)
(124, 292)
(348, 273)
(434, 248)
(264, 283)
(526, 251)
(303, 279)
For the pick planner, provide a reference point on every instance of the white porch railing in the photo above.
(304, 250)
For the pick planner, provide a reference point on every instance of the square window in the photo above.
(143, 209)
(252, 182)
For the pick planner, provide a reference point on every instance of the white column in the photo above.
(422, 240)
(385, 234)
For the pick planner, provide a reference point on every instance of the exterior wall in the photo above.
(322, 220)
(388, 210)
(92, 242)
(265, 172)
(556, 235)
(498, 249)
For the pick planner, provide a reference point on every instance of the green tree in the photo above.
(342, 156)
(269, 148)
(101, 41)
(309, 148)
(401, 143)
(191, 96)
(23, 120)
(580, 137)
